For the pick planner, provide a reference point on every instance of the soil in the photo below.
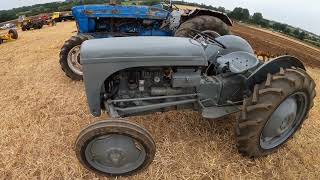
(274, 44)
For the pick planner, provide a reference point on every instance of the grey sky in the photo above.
(301, 13)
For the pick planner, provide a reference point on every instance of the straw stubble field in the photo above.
(42, 112)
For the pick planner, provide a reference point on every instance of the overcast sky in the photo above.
(300, 13)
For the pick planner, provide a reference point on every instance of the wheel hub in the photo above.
(282, 118)
(115, 153)
(74, 60)
(284, 121)
(115, 147)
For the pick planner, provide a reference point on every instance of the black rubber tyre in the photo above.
(107, 129)
(13, 33)
(23, 28)
(27, 27)
(66, 48)
(265, 100)
(1, 41)
(40, 25)
(37, 25)
(202, 23)
(34, 26)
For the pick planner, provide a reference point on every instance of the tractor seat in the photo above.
(238, 62)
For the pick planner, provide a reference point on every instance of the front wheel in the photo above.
(70, 57)
(274, 112)
(115, 148)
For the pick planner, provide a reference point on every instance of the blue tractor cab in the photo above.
(111, 20)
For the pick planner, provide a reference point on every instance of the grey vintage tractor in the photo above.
(105, 21)
(130, 76)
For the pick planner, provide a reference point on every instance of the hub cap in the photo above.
(115, 154)
(284, 121)
(74, 60)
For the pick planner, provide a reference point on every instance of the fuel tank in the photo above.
(155, 50)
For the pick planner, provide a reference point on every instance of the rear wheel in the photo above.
(70, 57)
(274, 112)
(115, 148)
(201, 24)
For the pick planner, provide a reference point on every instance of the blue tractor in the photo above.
(112, 20)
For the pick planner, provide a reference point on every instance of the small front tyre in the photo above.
(274, 112)
(115, 148)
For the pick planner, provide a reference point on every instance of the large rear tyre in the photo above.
(274, 112)
(200, 24)
(115, 148)
(13, 33)
(70, 57)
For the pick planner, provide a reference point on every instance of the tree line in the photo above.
(243, 15)
(238, 14)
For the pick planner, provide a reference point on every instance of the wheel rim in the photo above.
(74, 60)
(115, 154)
(284, 121)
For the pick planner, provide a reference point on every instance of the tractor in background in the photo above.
(10, 36)
(35, 22)
(113, 20)
(28, 23)
(62, 16)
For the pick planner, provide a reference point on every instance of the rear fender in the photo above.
(272, 67)
(201, 12)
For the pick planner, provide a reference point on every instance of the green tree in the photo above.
(257, 18)
(221, 9)
(296, 32)
(287, 31)
(240, 14)
(150, 2)
(302, 35)
(280, 27)
(245, 14)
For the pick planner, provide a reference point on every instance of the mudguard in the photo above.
(232, 43)
(201, 12)
(103, 57)
(273, 66)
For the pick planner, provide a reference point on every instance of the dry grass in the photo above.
(42, 113)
